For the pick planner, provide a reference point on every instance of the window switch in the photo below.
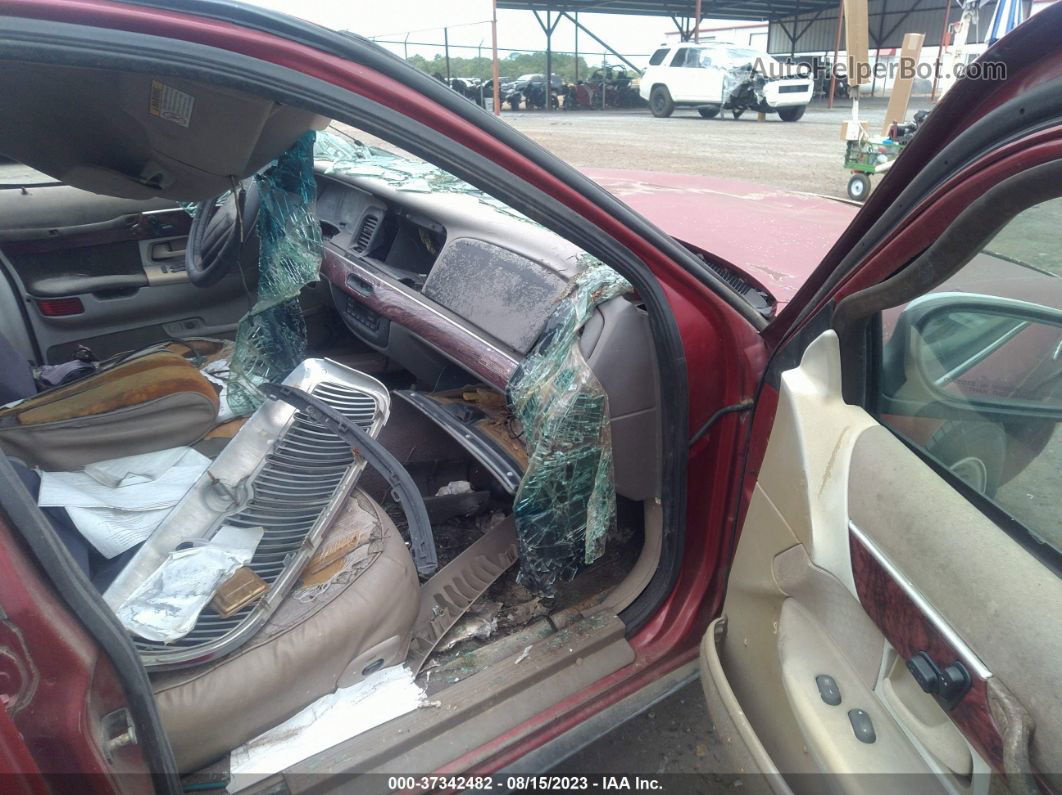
(862, 725)
(828, 689)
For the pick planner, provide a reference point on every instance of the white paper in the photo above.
(112, 531)
(167, 604)
(134, 469)
(163, 490)
(333, 718)
(118, 503)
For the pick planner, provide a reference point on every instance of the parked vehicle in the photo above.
(530, 89)
(652, 417)
(717, 77)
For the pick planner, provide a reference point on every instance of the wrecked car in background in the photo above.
(717, 77)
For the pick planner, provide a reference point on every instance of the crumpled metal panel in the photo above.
(566, 502)
(271, 338)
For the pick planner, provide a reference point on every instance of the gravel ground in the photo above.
(806, 155)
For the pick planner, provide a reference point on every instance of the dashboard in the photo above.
(451, 285)
(431, 278)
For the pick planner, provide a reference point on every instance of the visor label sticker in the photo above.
(171, 104)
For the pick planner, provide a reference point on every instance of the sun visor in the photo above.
(141, 136)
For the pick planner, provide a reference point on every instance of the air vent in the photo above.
(368, 228)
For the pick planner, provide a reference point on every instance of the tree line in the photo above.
(513, 65)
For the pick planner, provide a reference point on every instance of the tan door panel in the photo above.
(794, 611)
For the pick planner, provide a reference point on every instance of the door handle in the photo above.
(1016, 726)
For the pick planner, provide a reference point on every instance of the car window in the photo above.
(971, 372)
(659, 56)
(680, 57)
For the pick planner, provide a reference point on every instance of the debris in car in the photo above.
(271, 338)
(263, 477)
(238, 591)
(566, 501)
(479, 623)
(166, 607)
(456, 487)
(331, 719)
(116, 504)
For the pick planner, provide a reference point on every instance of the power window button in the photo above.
(862, 725)
(828, 689)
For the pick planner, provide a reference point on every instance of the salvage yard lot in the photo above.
(803, 156)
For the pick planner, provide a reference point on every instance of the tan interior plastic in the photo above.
(792, 612)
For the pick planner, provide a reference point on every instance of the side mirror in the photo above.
(991, 355)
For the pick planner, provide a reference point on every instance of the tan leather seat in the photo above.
(337, 625)
(147, 403)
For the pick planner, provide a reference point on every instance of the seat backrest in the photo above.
(16, 374)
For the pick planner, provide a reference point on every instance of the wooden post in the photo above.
(901, 88)
(697, 22)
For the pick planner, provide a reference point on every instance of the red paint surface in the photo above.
(724, 354)
(777, 237)
(69, 686)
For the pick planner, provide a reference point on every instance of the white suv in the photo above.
(714, 77)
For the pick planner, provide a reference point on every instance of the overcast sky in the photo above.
(424, 21)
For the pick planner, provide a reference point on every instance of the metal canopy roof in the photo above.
(710, 9)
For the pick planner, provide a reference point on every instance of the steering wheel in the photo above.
(218, 231)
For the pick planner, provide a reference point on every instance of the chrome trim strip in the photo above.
(964, 651)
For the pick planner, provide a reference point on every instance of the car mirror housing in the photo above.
(980, 353)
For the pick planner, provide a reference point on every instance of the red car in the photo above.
(321, 462)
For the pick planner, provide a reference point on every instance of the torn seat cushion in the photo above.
(148, 403)
(354, 614)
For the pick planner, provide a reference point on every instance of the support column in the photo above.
(446, 50)
(549, 61)
(836, 52)
(576, 46)
(494, 57)
(697, 22)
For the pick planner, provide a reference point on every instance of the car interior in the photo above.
(130, 253)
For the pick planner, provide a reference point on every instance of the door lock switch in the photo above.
(828, 689)
(948, 685)
(925, 672)
(862, 726)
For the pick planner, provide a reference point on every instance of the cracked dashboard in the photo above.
(419, 276)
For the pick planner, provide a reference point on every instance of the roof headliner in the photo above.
(710, 9)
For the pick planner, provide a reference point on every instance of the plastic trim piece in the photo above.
(964, 651)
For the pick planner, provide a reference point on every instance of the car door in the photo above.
(107, 273)
(892, 615)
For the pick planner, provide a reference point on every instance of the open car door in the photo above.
(892, 619)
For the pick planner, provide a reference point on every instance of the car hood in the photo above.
(777, 237)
